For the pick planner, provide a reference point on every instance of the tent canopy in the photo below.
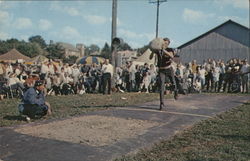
(39, 59)
(13, 55)
(88, 60)
(144, 58)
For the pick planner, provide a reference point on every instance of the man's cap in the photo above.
(38, 83)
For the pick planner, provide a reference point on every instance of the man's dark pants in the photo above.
(164, 73)
(106, 80)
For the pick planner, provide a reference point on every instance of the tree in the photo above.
(26, 48)
(91, 49)
(106, 51)
(39, 40)
(55, 51)
(30, 49)
(124, 46)
(70, 59)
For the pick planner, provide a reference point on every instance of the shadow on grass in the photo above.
(14, 117)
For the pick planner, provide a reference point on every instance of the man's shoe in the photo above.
(175, 95)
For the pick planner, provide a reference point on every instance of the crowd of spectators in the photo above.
(63, 79)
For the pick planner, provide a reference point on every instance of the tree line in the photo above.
(36, 45)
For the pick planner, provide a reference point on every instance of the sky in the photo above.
(89, 21)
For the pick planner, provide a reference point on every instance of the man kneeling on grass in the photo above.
(33, 104)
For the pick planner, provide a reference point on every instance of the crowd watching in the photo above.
(63, 79)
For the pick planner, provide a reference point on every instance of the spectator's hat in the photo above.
(38, 83)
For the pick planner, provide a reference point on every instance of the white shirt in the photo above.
(202, 73)
(108, 69)
(13, 81)
(44, 69)
(51, 69)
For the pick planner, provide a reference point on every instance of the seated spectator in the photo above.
(15, 84)
(33, 103)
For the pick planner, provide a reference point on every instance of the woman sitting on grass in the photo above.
(33, 103)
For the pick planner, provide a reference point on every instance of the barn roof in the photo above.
(216, 29)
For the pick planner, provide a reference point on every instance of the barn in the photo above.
(226, 41)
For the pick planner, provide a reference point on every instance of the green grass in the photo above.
(223, 138)
(72, 105)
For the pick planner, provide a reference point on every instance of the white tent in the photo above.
(144, 58)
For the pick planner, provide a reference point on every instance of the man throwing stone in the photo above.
(164, 59)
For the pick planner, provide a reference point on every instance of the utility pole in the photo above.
(158, 2)
(113, 32)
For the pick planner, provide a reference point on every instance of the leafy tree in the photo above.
(70, 59)
(55, 51)
(30, 49)
(26, 48)
(91, 49)
(106, 51)
(39, 40)
(124, 46)
(5, 47)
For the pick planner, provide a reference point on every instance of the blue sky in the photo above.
(89, 21)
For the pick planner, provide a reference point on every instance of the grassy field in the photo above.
(72, 105)
(223, 138)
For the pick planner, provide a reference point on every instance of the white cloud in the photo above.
(134, 39)
(95, 19)
(4, 17)
(96, 40)
(23, 23)
(4, 4)
(193, 16)
(134, 35)
(69, 33)
(4, 36)
(235, 3)
(24, 37)
(72, 11)
(44, 24)
(55, 6)
(119, 22)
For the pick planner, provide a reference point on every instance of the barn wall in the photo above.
(213, 46)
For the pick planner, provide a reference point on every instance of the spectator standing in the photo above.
(245, 69)
(107, 70)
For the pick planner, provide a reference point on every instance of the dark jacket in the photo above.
(33, 96)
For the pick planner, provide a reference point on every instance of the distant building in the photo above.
(124, 56)
(226, 41)
(70, 50)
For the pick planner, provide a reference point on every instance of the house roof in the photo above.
(13, 54)
(212, 30)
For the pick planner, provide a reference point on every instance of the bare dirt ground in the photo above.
(93, 130)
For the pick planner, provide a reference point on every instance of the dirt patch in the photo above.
(93, 130)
